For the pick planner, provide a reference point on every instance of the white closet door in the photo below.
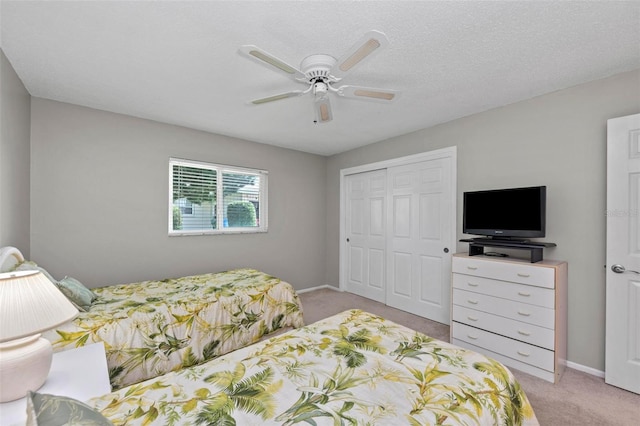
(622, 354)
(365, 232)
(419, 238)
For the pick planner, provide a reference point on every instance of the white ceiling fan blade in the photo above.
(368, 93)
(266, 58)
(323, 109)
(371, 43)
(277, 97)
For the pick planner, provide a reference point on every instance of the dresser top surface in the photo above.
(543, 262)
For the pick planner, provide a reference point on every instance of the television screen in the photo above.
(505, 213)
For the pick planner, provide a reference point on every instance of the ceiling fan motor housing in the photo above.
(317, 67)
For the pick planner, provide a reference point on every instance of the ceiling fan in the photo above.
(320, 72)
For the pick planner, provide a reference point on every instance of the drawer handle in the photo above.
(472, 318)
(472, 337)
(472, 284)
(473, 268)
(473, 302)
(524, 314)
(523, 275)
(524, 333)
(522, 293)
(523, 353)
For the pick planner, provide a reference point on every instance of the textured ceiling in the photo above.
(178, 62)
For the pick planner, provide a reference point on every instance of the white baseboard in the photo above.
(320, 287)
(585, 369)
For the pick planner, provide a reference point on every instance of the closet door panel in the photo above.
(419, 223)
(366, 234)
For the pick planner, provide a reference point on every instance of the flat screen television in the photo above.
(511, 213)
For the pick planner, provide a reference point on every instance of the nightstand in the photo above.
(79, 373)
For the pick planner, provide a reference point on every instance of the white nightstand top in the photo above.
(79, 373)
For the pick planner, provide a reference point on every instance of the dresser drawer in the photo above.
(518, 330)
(523, 352)
(522, 273)
(531, 314)
(508, 290)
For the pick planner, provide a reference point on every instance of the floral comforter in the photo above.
(352, 368)
(153, 327)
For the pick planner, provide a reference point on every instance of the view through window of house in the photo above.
(210, 198)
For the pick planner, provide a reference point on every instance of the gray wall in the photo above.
(99, 190)
(557, 140)
(14, 159)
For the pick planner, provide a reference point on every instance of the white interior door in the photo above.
(420, 236)
(622, 365)
(366, 234)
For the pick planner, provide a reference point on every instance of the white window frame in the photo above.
(220, 170)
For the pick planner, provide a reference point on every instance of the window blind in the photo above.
(210, 198)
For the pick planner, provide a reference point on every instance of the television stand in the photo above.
(477, 245)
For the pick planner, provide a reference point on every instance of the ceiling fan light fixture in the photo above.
(276, 63)
(323, 109)
(324, 112)
(365, 50)
(320, 88)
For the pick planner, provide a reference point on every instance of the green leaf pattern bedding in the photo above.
(153, 327)
(354, 368)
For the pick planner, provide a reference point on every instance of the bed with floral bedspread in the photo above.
(154, 327)
(352, 368)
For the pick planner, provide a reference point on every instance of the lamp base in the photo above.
(24, 366)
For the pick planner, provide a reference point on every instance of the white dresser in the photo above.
(513, 311)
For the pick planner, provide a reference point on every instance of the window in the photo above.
(198, 191)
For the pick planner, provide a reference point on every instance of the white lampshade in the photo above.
(31, 304)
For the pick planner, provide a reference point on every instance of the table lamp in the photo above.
(29, 304)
